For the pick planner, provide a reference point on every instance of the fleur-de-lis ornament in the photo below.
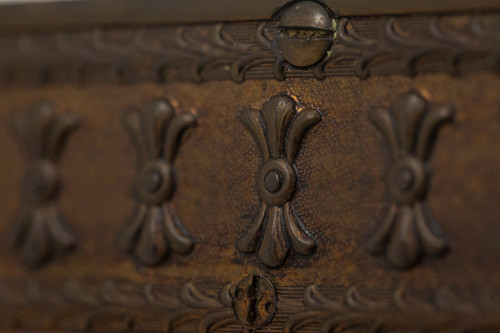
(39, 230)
(154, 229)
(278, 129)
(408, 230)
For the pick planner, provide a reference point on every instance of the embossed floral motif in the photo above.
(39, 230)
(408, 230)
(154, 229)
(278, 129)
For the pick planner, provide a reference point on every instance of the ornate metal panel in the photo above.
(311, 156)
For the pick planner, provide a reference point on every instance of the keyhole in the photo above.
(254, 301)
(252, 295)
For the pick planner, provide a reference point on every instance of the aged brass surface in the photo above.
(341, 196)
(254, 301)
(218, 182)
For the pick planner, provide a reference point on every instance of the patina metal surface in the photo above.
(220, 180)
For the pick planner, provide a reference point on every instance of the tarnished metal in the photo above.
(255, 301)
(305, 34)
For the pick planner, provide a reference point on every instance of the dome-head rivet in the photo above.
(305, 33)
(405, 179)
(273, 181)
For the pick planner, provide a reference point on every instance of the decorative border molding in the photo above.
(443, 311)
(123, 305)
(362, 46)
(126, 306)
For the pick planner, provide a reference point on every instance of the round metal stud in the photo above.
(276, 182)
(155, 182)
(41, 181)
(404, 180)
(305, 34)
(407, 180)
(151, 181)
(273, 181)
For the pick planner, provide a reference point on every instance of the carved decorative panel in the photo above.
(278, 129)
(155, 230)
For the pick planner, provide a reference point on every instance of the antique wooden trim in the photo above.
(70, 14)
(362, 47)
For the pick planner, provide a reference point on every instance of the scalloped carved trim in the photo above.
(239, 51)
(122, 305)
(443, 311)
